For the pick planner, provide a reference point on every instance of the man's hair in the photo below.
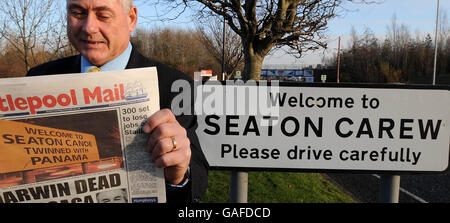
(126, 4)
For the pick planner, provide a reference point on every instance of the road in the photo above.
(413, 188)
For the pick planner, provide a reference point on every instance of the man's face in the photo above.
(113, 196)
(99, 29)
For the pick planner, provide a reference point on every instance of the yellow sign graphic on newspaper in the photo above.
(26, 147)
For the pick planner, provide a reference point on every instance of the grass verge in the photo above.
(277, 187)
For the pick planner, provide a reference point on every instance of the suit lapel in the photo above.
(137, 60)
(76, 65)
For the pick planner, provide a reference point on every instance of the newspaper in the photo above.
(77, 138)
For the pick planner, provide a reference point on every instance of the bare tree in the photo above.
(34, 28)
(266, 24)
(178, 48)
(211, 35)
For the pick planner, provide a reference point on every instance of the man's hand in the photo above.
(163, 127)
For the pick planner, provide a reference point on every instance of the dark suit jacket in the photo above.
(166, 76)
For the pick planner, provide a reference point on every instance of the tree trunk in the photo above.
(253, 66)
(253, 63)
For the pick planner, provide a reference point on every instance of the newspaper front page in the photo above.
(77, 138)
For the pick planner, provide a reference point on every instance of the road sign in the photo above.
(206, 73)
(347, 128)
(25, 146)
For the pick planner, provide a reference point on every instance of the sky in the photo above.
(417, 15)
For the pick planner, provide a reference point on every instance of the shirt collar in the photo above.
(120, 63)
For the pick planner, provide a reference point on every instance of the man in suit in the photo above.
(100, 31)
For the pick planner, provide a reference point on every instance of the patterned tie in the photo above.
(94, 69)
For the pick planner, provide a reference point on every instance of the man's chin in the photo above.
(94, 58)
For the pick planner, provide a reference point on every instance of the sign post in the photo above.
(239, 187)
(389, 188)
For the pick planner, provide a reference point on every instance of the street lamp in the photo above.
(435, 44)
(338, 60)
(223, 47)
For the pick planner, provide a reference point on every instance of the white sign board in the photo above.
(325, 128)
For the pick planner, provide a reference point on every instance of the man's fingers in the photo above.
(166, 130)
(158, 118)
(163, 127)
(166, 145)
(177, 157)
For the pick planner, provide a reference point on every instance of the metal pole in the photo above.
(223, 47)
(339, 59)
(389, 188)
(436, 44)
(239, 187)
